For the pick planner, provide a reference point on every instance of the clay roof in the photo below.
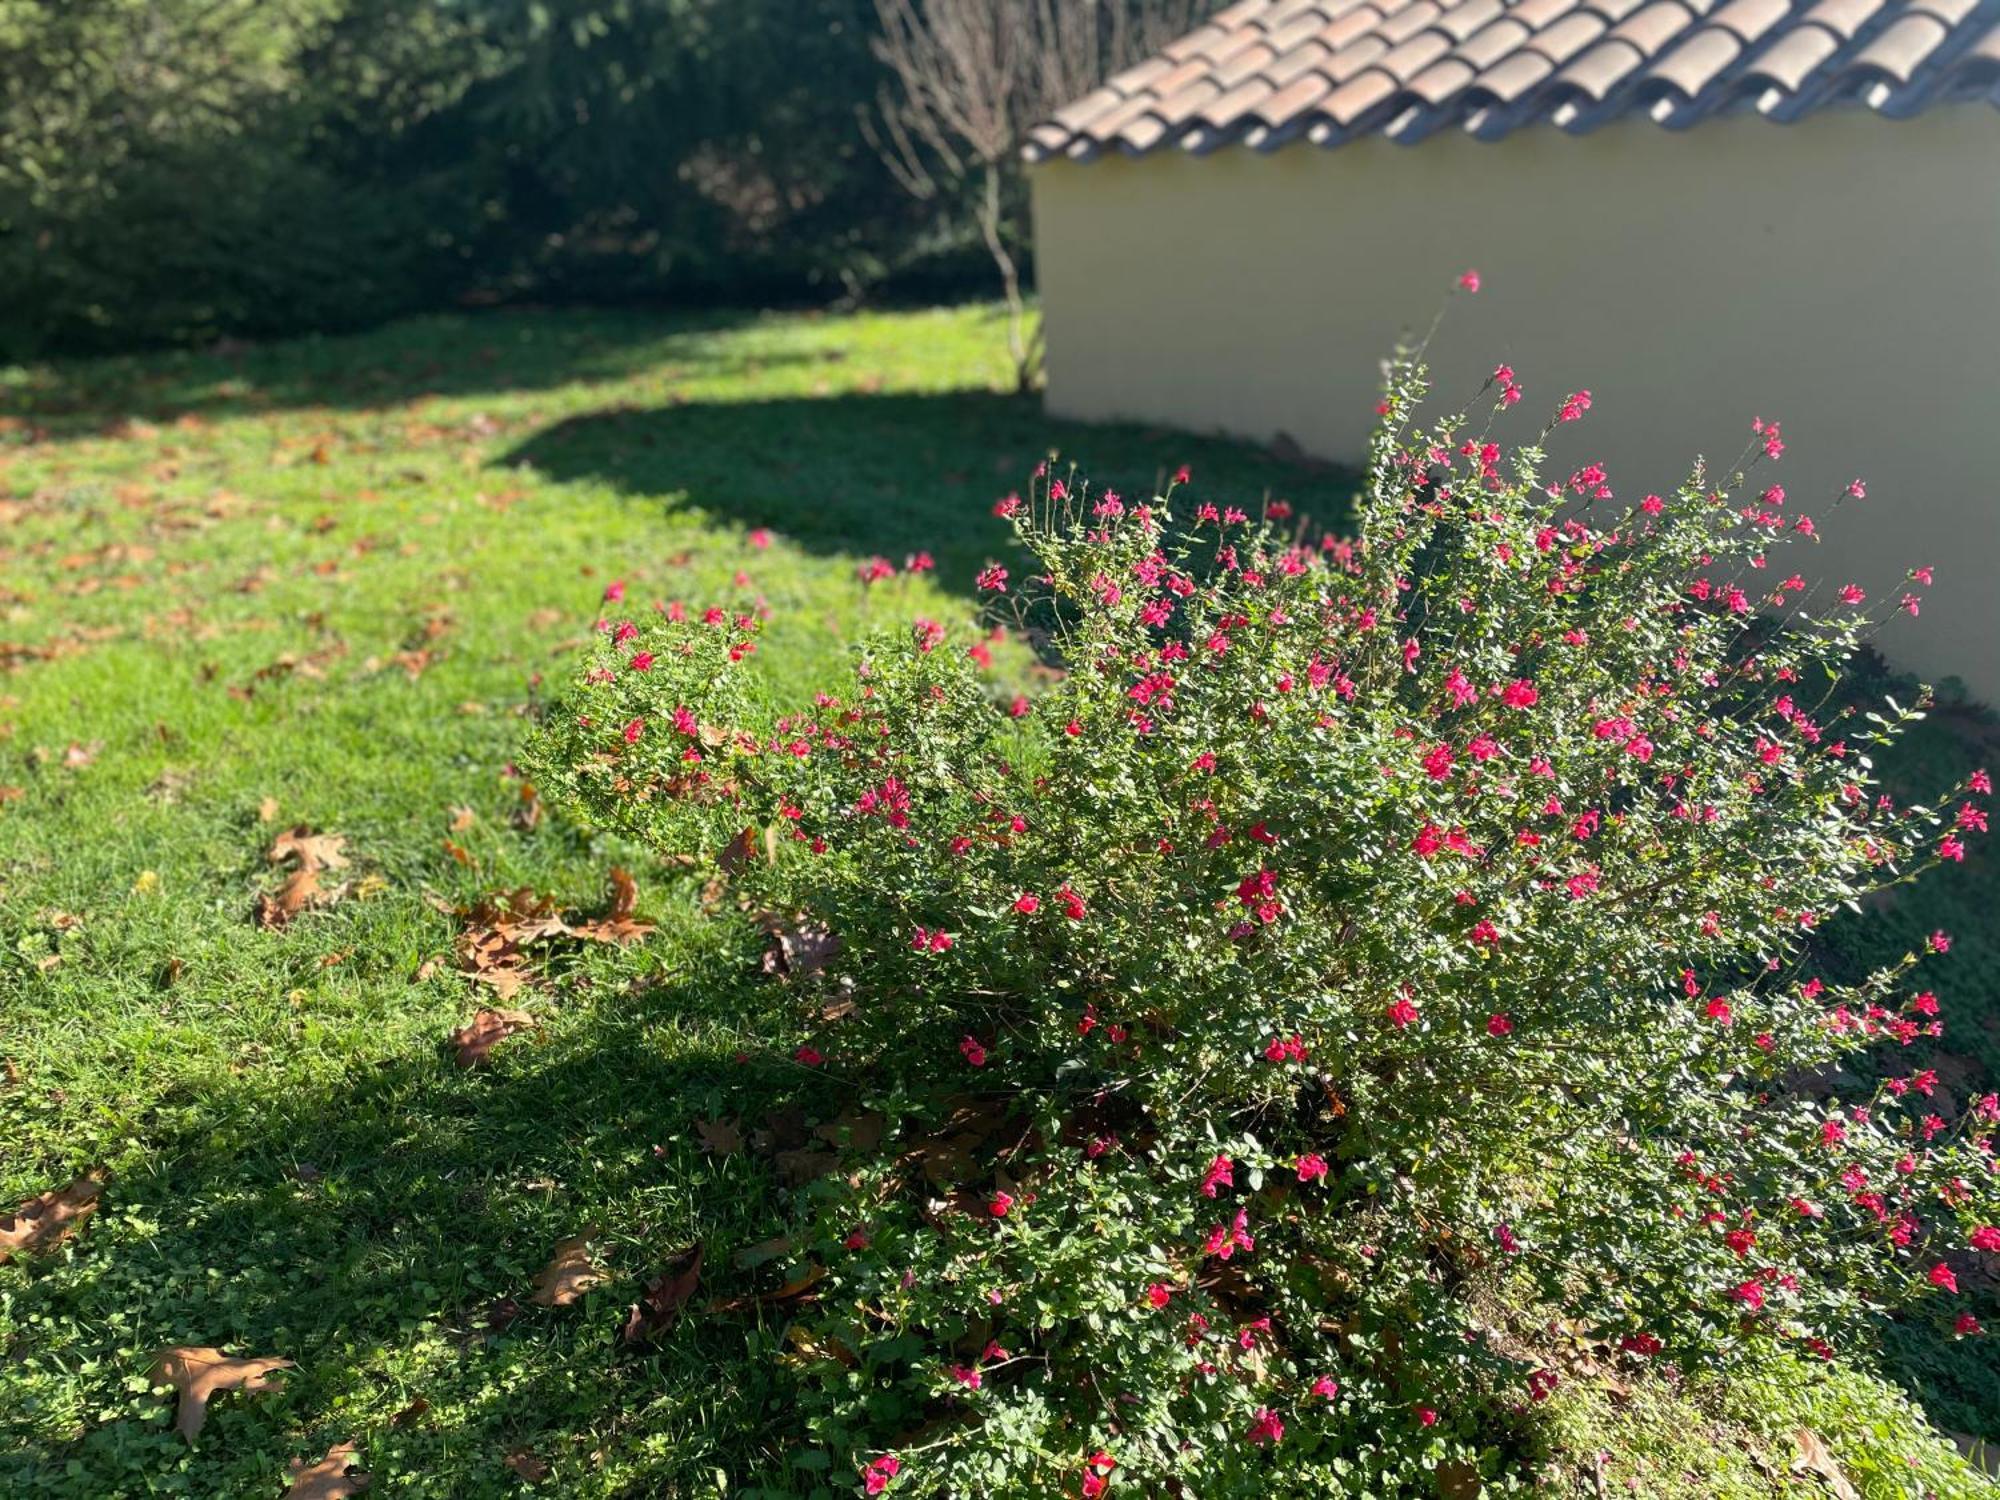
(1268, 72)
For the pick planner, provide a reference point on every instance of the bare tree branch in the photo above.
(972, 76)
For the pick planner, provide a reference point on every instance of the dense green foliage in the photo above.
(210, 564)
(1355, 938)
(171, 170)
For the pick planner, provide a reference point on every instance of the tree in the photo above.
(971, 76)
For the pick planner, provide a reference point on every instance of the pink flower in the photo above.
(1941, 1275)
(633, 730)
(1718, 1010)
(614, 591)
(1326, 1386)
(1438, 762)
(974, 1053)
(877, 1473)
(1519, 693)
(1986, 1237)
(1071, 903)
(1265, 1427)
(1574, 406)
(1427, 1416)
(1750, 1294)
(1468, 281)
(1159, 1294)
(1097, 1473)
(1401, 1012)
(967, 1376)
(812, 1057)
(1221, 1174)
(1966, 1325)
(999, 1204)
(1027, 903)
(1498, 1025)
(1311, 1167)
(992, 578)
(642, 661)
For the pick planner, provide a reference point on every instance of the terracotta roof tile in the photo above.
(1652, 28)
(1264, 72)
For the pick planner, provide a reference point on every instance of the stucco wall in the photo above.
(1842, 274)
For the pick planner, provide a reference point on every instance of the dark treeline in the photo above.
(172, 171)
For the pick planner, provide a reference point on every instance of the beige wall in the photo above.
(1842, 274)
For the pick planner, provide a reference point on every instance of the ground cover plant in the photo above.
(352, 1141)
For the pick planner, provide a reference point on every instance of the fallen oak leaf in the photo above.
(659, 1306)
(1816, 1458)
(48, 1219)
(531, 1469)
(277, 908)
(409, 1414)
(568, 1275)
(312, 851)
(199, 1373)
(479, 1036)
(618, 924)
(327, 1479)
(798, 1289)
(719, 1137)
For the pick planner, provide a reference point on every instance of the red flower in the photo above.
(1941, 1275)
(999, 1204)
(974, 1053)
(1027, 903)
(1265, 1427)
(1159, 1294)
(1311, 1167)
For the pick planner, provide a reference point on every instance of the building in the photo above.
(1701, 212)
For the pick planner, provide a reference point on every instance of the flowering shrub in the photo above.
(1356, 939)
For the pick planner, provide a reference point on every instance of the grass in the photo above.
(323, 583)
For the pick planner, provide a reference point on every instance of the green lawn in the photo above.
(323, 583)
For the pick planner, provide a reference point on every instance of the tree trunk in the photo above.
(1019, 348)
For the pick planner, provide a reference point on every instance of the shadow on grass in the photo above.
(385, 1232)
(897, 474)
(444, 355)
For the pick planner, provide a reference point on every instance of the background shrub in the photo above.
(171, 170)
(1363, 957)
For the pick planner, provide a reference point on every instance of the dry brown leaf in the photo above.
(529, 814)
(462, 854)
(1816, 1458)
(411, 1413)
(328, 1479)
(48, 1219)
(200, 1373)
(311, 851)
(462, 818)
(299, 891)
(267, 810)
(659, 1308)
(568, 1275)
(617, 925)
(738, 852)
(798, 1289)
(529, 1467)
(798, 949)
(797, 1168)
(752, 1256)
(720, 1137)
(479, 1036)
(853, 1131)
